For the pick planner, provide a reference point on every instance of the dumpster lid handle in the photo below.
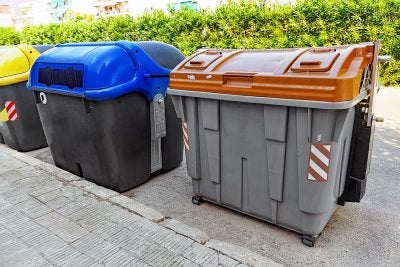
(310, 62)
(242, 74)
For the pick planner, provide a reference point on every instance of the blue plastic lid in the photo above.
(99, 71)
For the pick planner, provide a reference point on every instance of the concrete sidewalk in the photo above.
(49, 217)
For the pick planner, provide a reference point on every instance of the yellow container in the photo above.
(15, 63)
(20, 126)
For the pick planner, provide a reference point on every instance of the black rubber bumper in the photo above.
(359, 160)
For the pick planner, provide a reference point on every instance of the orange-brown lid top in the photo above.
(330, 74)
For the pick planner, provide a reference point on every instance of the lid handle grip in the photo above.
(196, 62)
(310, 63)
(323, 50)
(240, 74)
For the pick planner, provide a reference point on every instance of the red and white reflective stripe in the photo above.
(11, 110)
(185, 135)
(318, 168)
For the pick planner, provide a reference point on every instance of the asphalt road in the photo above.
(358, 234)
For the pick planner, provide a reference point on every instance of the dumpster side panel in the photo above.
(25, 133)
(191, 117)
(208, 186)
(172, 143)
(255, 158)
(115, 133)
(345, 122)
(317, 200)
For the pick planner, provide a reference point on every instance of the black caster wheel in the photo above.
(309, 241)
(197, 200)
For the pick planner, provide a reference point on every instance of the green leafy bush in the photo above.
(9, 36)
(240, 25)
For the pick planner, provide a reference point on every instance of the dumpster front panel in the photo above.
(257, 158)
(22, 129)
(106, 142)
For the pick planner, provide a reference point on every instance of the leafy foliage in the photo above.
(8, 36)
(240, 25)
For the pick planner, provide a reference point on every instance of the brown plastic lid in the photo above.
(330, 74)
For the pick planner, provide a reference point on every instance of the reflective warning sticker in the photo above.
(9, 113)
(318, 168)
(185, 135)
(11, 110)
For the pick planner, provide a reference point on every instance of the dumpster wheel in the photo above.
(197, 200)
(308, 240)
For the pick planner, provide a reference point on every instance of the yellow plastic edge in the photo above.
(31, 54)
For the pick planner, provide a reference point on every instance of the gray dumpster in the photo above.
(276, 134)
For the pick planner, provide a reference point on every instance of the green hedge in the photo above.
(241, 25)
(9, 36)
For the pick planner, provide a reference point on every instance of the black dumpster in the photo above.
(105, 112)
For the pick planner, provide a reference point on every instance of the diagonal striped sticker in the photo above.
(185, 135)
(318, 167)
(11, 110)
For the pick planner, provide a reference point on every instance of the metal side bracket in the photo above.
(374, 82)
(158, 130)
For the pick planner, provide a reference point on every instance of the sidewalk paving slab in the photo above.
(49, 217)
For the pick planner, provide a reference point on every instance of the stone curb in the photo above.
(186, 230)
(238, 253)
(29, 160)
(241, 254)
(22, 157)
(96, 190)
(138, 208)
